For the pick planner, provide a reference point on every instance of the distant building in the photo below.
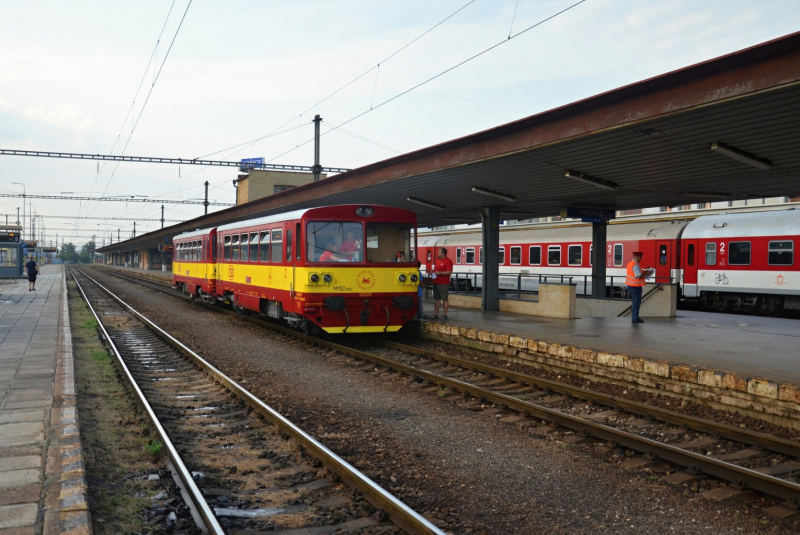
(258, 184)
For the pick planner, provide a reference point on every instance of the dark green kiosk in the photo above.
(11, 260)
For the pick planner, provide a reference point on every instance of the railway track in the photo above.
(746, 459)
(239, 463)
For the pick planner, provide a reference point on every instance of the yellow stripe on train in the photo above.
(357, 279)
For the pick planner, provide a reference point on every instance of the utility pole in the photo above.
(118, 240)
(162, 208)
(317, 167)
(205, 204)
(134, 229)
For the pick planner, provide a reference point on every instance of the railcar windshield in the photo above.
(334, 241)
(388, 242)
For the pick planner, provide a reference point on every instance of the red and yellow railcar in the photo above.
(193, 262)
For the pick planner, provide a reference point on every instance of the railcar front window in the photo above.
(277, 245)
(781, 253)
(711, 254)
(264, 246)
(554, 255)
(535, 255)
(254, 246)
(739, 253)
(470, 255)
(227, 247)
(574, 255)
(388, 242)
(332, 241)
(516, 256)
(235, 246)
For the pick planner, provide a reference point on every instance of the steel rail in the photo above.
(196, 497)
(754, 438)
(723, 470)
(179, 161)
(400, 513)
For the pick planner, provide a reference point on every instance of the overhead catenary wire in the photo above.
(442, 73)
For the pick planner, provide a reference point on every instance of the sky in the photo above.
(241, 79)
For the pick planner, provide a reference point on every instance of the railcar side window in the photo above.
(739, 253)
(481, 256)
(553, 255)
(458, 255)
(574, 255)
(535, 255)
(690, 254)
(243, 242)
(711, 254)
(288, 245)
(618, 256)
(388, 242)
(277, 245)
(516, 256)
(501, 256)
(254, 246)
(235, 247)
(781, 253)
(264, 246)
(470, 255)
(591, 252)
(227, 247)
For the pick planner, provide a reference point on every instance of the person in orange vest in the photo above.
(635, 280)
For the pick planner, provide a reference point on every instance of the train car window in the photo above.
(289, 245)
(244, 247)
(458, 255)
(739, 253)
(194, 251)
(781, 253)
(690, 254)
(343, 240)
(388, 242)
(429, 255)
(277, 245)
(618, 256)
(515, 256)
(177, 252)
(711, 254)
(553, 255)
(662, 255)
(264, 252)
(574, 255)
(481, 256)
(298, 249)
(535, 255)
(591, 252)
(254, 246)
(226, 255)
(235, 247)
(469, 255)
(213, 250)
(501, 256)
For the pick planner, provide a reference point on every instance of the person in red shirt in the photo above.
(351, 248)
(442, 270)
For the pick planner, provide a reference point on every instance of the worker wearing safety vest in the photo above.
(635, 280)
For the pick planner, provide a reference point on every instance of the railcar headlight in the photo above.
(413, 277)
(327, 277)
(402, 277)
(314, 278)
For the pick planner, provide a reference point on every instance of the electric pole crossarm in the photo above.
(116, 199)
(178, 161)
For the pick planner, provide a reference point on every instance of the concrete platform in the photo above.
(42, 485)
(746, 345)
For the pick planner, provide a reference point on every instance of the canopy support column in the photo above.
(490, 230)
(599, 233)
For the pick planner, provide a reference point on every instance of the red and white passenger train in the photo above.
(732, 261)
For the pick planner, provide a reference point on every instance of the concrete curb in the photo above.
(772, 401)
(65, 497)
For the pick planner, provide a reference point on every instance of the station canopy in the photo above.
(724, 129)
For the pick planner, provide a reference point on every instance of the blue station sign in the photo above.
(589, 215)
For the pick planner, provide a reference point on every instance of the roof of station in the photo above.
(645, 144)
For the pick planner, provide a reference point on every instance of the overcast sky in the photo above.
(239, 70)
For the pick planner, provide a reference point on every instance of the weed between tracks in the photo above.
(117, 446)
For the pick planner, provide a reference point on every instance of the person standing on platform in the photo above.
(442, 270)
(32, 270)
(635, 280)
(420, 293)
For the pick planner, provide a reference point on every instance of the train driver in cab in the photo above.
(329, 254)
(351, 247)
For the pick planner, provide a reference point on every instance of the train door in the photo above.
(663, 265)
(690, 261)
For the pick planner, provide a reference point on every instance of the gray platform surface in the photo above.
(753, 346)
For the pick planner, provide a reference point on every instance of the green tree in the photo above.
(68, 253)
(87, 252)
